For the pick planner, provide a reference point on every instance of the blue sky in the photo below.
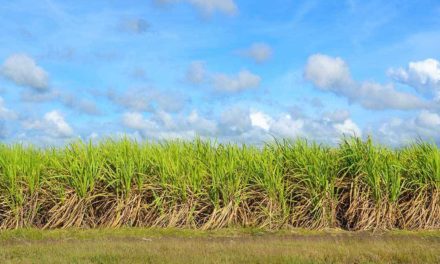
(235, 70)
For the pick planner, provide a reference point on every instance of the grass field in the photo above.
(357, 185)
(137, 245)
(220, 203)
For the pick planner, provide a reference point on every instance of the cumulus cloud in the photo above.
(148, 99)
(23, 70)
(259, 52)
(201, 124)
(260, 119)
(321, 128)
(337, 115)
(287, 127)
(166, 120)
(38, 97)
(378, 96)
(397, 131)
(55, 120)
(6, 113)
(52, 124)
(332, 74)
(136, 121)
(81, 105)
(3, 130)
(348, 127)
(197, 74)
(235, 119)
(423, 75)
(242, 81)
(136, 99)
(70, 100)
(240, 125)
(328, 73)
(162, 125)
(6, 117)
(208, 7)
(428, 119)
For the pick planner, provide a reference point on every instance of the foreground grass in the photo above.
(221, 246)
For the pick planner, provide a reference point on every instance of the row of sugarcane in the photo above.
(202, 184)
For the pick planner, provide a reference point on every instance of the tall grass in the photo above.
(356, 185)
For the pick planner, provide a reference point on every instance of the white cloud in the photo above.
(261, 120)
(244, 80)
(68, 99)
(321, 129)
(428, 119)
(93, 136)
(196, 72)
(288, 127)
(60, 127)
(348, 127)
(169, 101)
(5, 113)
(6, 116)
(23, 70)
(333, 75)
(239, 125)
(38, 97)
(53, 124)
(138, 100)
(259, 52)
(82, 105)
(399, 131)
(424, 75)
(264, 126)
(337, 115)
(379, 96)
(165, 119)
(236, 119)
(136, 121)
(148, 99)
(328, 73)
(200, 124)
(162, 125)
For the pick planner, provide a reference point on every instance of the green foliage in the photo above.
(159, 183)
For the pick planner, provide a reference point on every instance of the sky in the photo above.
(231, 70)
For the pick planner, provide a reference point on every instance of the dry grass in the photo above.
(222, 246)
